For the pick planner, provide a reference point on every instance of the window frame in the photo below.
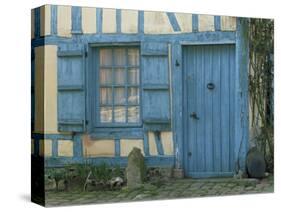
(95, 95)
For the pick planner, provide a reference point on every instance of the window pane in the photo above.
(119, 96)
(119, 57)
(105, 96)
(105, 57)
(133, 76)
(133, 114)
(105, 76)
(120, 114)
(120, 76)
(133, 57)
(106, 114)
(133, 95)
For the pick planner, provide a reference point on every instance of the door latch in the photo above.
(194, 116)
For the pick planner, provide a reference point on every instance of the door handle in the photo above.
(194, 116)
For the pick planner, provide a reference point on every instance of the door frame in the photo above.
(186, 142)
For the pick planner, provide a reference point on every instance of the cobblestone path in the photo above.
(181, 188)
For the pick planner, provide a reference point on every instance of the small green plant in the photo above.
(117, 172)
(57, 174)
(102, 173)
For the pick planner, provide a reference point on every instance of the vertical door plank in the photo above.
(231, 108)
(216, 57)
(199, 110)
(190, 60)
(225, 95)
(208, 109)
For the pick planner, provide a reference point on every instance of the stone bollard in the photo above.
(136, 169)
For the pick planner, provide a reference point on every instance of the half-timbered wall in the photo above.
(63, 43)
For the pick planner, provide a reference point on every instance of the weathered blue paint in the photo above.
(99, 20)
(76, 19)
(117, 147)
(145, 144)
(151, 161)
(118, 20)
(77, 146)
(155, 102)
(71, 88)
(141, 22)
(190, 38)
(158, 141)
(37, 22)
(54, 19)
(117, 132)
(208, 135)
(208, 116)
(54, 148)
(232, 94)
(194, 23)
(173, 21)
(217, 23)
(241, 94)
(177, 103)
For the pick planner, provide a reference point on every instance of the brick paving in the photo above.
(181, 188)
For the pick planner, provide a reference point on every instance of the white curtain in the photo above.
(115, 73)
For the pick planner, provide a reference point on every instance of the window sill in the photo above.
(117, 132)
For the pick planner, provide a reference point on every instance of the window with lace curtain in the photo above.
(119, 86)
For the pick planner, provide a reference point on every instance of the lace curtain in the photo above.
(119, 85)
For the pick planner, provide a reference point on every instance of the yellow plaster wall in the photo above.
(228, 23)
(45, 20)
(39, 90)
(46, 89)
(109, 21)
(152, 144)
(65, 148)
(32, 24)
(64, 21)
(98, 148)
(157, 23)
(50, 90)
(206, 23)
(45, 147)
(129, 21)
(167, 143)
(184, 21)
(88, 20)
(126, 146)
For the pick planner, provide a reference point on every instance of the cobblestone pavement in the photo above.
(181, 188)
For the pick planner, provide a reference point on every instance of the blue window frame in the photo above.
(117, 95)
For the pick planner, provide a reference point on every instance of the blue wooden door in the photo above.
(209, 110)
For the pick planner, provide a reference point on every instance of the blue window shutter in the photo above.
(71, 88)
(155, 84)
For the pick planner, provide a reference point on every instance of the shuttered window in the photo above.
(118, 74)
(115, 86)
